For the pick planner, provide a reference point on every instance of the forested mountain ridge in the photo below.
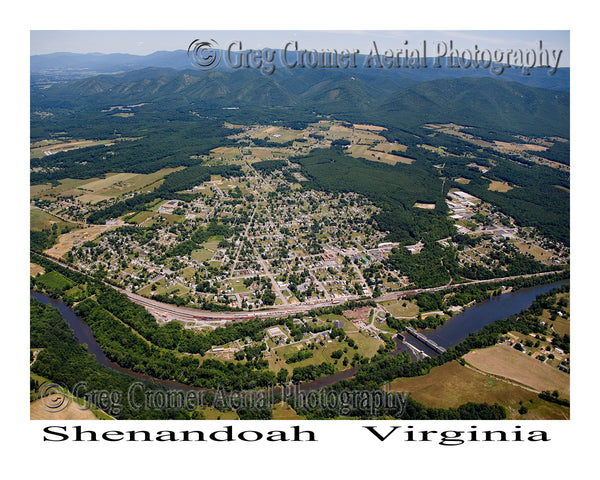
(486, 102)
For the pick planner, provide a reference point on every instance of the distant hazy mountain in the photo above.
(107, 63)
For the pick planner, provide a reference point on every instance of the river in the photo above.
(451, 333)
(474, 318)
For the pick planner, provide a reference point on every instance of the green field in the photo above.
(401, 308)
(367, 347)
(238, 286)
(140, 217)
(37, 149)
(40, 220)
(94, 190)
(162, 287)
(202, 255)
(54, 281)
(213, 243)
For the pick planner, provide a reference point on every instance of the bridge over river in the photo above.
(427, 341)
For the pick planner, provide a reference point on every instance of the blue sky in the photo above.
(144, 42)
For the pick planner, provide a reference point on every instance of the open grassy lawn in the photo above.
(164, 288)
(238, 286)
(74, 238)
(401, 308)
(507, 362)
(40, 220)
(213, 243)
(367, 345)
(285, 412)
(201, 255)
(364, 151)
(37, 149)
(35, 270)
(171, 219)
(330, 317)
(496, 186)
(561, 325)
(452, 385)
(538, 253)
(140, 217)
(213, 414)
(321, 353)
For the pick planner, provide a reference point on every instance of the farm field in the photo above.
(507, 362)
(72, 412)
(374, 128)
(34, 270)
(94, 190)
(72, 239)
(66, 187)
(452, 385)
(425, 206)
(37, 149)
(496, 186)
(277, 134)
(364, 151)
(518, 147)
(40, 220)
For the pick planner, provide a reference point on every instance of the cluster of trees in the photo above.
(429, 268)
(393, 188)
(299, 356)
(312, 372)
(129, 350)
(40, 240)
(267, 167)
(154, 145)
(64, 361)
(200, 236)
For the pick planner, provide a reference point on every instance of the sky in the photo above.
(144, 42)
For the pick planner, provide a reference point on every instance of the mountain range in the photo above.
(379, 97)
